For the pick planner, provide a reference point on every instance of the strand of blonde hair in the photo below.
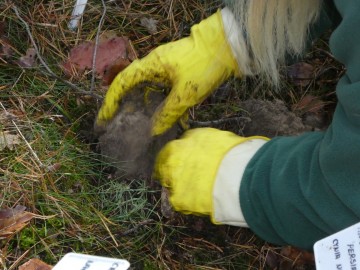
(273, 29)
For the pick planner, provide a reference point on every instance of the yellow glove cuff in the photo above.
(188, 167)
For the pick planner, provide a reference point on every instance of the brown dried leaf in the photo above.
(35, 264)
(54, 167)
(112, 70)
(113, 55)
(301, 73)
(12, 220)
(27, 60)
(297, 256)
(8, 140)
(272, 259)
(309, 103)
(107, 35)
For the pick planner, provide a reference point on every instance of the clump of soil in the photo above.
(126, 141)
(271, 118)
(265, 118)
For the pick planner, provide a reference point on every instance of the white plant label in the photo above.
(339, 251)
(77, 13)
(75, 261)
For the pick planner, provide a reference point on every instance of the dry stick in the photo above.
(137, 226)
(23, 137)
(50, 72)
(96, 47)
(219, 121)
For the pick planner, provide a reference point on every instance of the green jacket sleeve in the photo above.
(297, 190)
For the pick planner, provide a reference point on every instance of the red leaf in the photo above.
(301, 73)
(113, 55)
(309, 103)
(112, 70)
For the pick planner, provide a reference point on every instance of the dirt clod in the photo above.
(271, 118)
(126, 141)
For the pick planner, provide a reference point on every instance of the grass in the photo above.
(61, 178)
(85, 209)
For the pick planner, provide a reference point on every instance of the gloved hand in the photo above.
(189, 166)
(192, 67)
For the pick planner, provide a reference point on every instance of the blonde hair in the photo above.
(273, 29)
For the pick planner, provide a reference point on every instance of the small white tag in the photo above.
(77, 12)
(75, 261)
(339, 251)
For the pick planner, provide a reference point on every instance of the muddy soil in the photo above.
(126, 141)
(267, 118)
(271, 118)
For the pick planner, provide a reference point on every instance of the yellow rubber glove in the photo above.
(192, 67)
(188, 167)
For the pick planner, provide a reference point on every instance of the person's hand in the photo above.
(188, 167)
(192, 67)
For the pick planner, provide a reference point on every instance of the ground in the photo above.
(50, 156)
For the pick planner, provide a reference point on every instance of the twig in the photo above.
(218, 122)
(77, 89)
(23, 137)
(77, 14)
(136, 227)
(96, 47)
(49, 71)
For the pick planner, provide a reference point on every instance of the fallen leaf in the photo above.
(301, 73)
(107, 35)
(272, 259)
(112, 70)
(35, 264)
(112, 56)
(54, 167)
(8, 140)
(289, 258)
(309, 103)
(27, 60)
(297, 256)
(12, 220)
